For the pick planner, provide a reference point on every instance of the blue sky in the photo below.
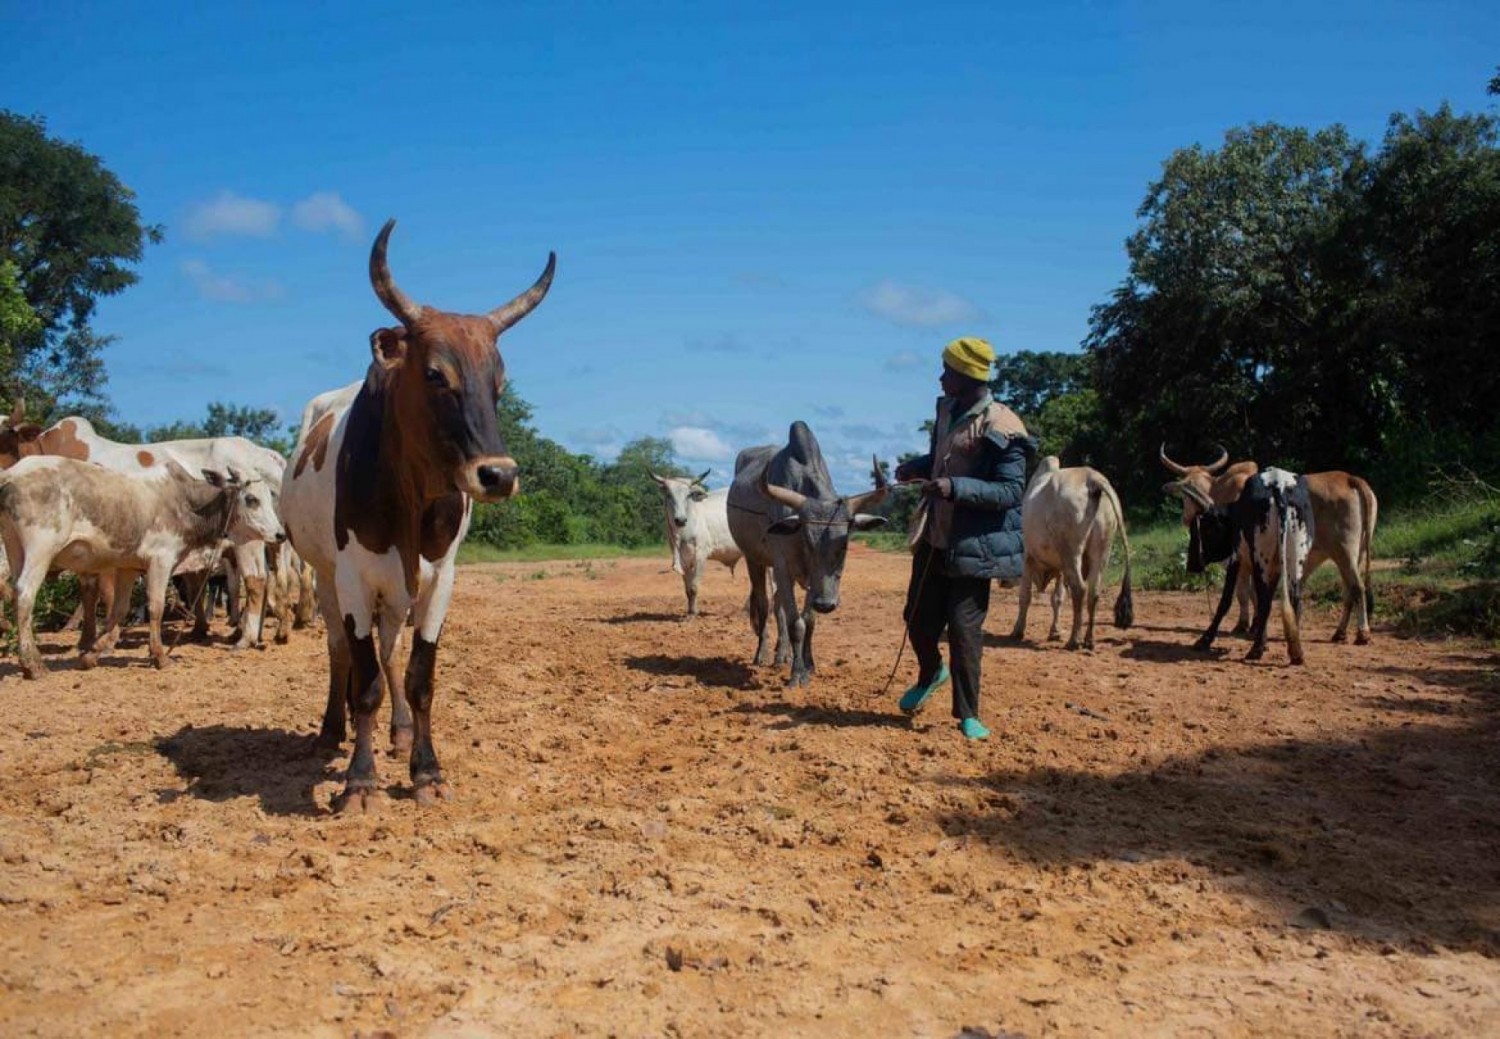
(762, 212)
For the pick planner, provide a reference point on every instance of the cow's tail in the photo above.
(1125, 604)
(1367, 510)
(1291, 566)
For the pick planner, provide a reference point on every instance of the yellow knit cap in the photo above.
(970, 356)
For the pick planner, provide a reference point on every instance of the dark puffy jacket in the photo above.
(985, 538)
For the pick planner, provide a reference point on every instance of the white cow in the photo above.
(71, 515)
(1068, 536)
(75, 437)
(698, 520)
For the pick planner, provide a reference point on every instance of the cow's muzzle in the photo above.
(825, 605)
(491, 479)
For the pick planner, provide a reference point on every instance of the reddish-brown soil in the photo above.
(652, 837)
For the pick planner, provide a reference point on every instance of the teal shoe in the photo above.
(915, 698)
(973, 729)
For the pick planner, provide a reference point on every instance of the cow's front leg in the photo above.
(365, 693)
(250, 560)
(391, 626)
(810, 621)
(797, 629)
(428, 613)
(1231, 586)
(158, 574)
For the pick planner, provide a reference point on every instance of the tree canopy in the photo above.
(69, 234)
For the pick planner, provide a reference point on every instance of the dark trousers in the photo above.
(935, 601)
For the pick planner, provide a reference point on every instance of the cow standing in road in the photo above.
(1269, 530)
(71, 515)
(1069, 518)
(698, 520)
(787, 519)
(1344, 513)
(378, 499)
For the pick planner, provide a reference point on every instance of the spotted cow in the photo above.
(378, 497)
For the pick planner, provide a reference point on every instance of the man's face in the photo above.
(952, 382)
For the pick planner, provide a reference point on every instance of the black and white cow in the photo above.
(1269, 529)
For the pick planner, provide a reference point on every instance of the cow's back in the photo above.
(747, 511)
(110, 514)
(1058, 512)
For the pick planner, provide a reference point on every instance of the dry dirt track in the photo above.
(652, 838)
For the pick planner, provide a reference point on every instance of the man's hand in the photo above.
(939, 488)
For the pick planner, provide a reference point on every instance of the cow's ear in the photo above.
(789, 525)
(388, 346)
(27, 431)
(865, 521)
(214, 477)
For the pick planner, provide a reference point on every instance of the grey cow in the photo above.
(786, 518)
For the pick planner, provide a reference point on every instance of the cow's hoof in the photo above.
(1203, 645)
(325, 746)
(158, 660)
(357, 801)
(1255, 653)
(88, 661)
(433, 791)
(1071, 644)
(1297, 660)
(199, 635)
(1240, 629)
(1088, 645)
(401, 740)
(35, 669)
(1338, 636)
(1362, 638)
(283, 637)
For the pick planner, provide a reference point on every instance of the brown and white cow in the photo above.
(1344, 511)
(1069, 518)
(59, 513)
(76, 438)
(378, 498)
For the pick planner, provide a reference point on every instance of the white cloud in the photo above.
(231, 214)
(326, 211)
(907, 305)
(226, 289)
(698, 444)
(905, 361)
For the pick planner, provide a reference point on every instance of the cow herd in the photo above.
(378, 493)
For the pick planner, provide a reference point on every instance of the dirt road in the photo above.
(651, 837)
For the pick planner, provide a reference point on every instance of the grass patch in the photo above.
(478, 552)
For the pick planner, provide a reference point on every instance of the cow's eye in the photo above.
(435, 377)
(252, 501)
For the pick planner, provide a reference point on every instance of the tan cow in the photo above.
(70, 515)
(1068, 522)
(1344, 512)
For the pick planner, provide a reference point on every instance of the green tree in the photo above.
(1027, 379)
(1223, 328)
(71, 230)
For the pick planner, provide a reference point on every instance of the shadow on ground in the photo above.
(223, 762)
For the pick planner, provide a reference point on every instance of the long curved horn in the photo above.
(651, 473)
(1215, 467)
(791, 499)
(1173, 467)
(18, 413)
(869, 499)
(396, 301)
(702, 476)
(525, 303)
